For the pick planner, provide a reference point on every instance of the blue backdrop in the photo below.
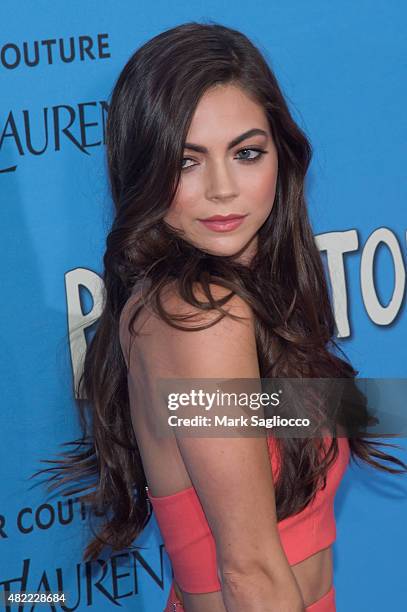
(342, 68)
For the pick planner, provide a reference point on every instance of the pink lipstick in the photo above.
(223, 223)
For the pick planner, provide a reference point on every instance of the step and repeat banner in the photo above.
(341, 66)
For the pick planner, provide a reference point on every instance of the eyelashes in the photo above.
(260, 152)
(252, 160)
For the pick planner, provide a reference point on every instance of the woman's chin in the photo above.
(222, 252)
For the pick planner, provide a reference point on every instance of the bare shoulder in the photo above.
(205, 341)
(207, 313)
(217, 291)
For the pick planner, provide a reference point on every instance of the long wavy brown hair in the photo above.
(151, 107)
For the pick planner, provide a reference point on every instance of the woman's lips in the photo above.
(224, 226)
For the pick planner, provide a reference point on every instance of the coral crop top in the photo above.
(190, 544)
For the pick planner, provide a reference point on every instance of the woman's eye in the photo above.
(259, 152)
(186, 159)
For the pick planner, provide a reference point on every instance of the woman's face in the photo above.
(229, 167)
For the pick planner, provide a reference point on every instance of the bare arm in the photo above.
(232, 475)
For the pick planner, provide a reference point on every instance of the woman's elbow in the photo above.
(237, 573)
(241, 566)
(259, 583)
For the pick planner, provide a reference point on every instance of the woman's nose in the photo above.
(221, 183)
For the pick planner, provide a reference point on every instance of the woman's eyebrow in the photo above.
(232, 143)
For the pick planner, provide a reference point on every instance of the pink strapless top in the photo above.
(190, 544)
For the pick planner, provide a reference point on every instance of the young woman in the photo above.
(198, 127)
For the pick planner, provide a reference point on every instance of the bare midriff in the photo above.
(314, 575)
